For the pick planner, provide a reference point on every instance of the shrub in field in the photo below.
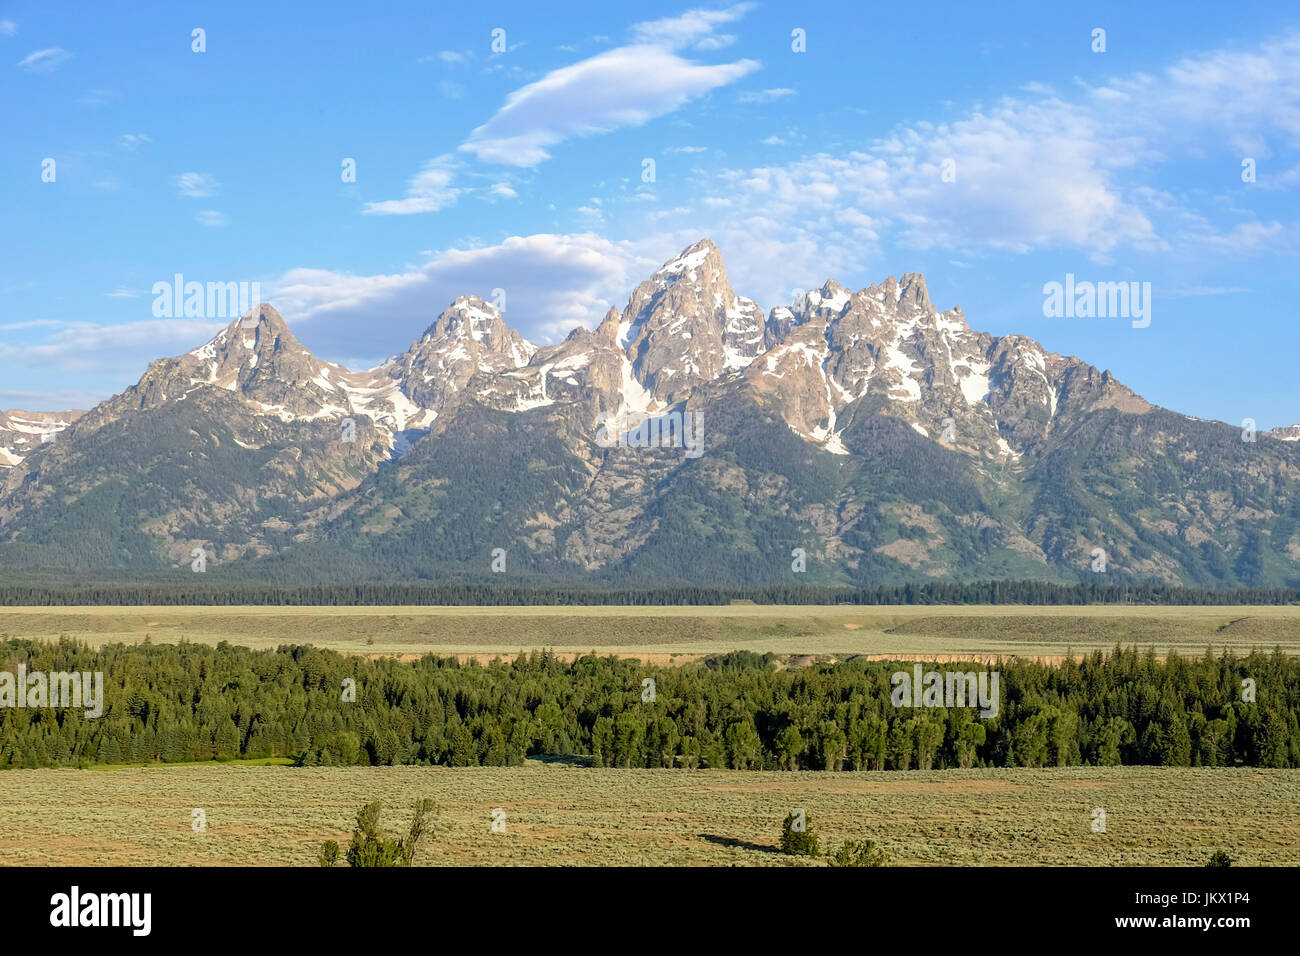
(1220, 858)
(371, 846)
(859, 853)
(799, 835)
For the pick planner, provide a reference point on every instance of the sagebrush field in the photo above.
(561, 812)
(571, 815)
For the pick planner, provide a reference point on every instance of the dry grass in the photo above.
(564, 815)
(669, 631)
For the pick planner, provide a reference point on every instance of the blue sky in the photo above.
(522, 169)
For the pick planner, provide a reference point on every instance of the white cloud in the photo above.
(1243, 96)
(124, 349)
(503, 191)
(627, 86)
(132, 140)
(45, 61)
(211, 219)
(695, 28)
(196, 185)
(1252, 237)
(1033, 173)
(8, 28)
(428, 191)
(553, 283)
(765, 96)
(30, 324)
(1027, 175)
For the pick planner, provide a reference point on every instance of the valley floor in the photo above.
(558, 814)
(665, 635)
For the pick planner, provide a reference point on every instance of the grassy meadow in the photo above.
(265, 813)
(558, 814)
(667, 633)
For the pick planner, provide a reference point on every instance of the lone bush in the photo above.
(371, 846)
(859, 853)
(799, 842)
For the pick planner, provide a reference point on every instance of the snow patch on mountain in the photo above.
(22, 432)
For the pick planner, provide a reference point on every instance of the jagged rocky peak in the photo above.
(913, 294)
(256, 346)
(257, 330)
(908, 293)
(685, 325)
(264, 318)
(874, 311)
(607, 331)
(480, 327)
(467, 317)
(469, 337)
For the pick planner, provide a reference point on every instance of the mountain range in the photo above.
(849, 438)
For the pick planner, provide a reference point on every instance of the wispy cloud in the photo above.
(133, 141)
(197, 185)
(97, 97)
(626, 86)
(695, 28)
(1032, 172)
(44, 61)
(429, 190)
(765, 96)
(8, 28)
(125, 348)
(30, 324)
(211, 219)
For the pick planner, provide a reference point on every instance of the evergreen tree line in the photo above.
(191, 702)
(501, 595)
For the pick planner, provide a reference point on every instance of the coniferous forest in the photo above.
(191, 702)
(183, 592)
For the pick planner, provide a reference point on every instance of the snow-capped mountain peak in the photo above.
(684, 329)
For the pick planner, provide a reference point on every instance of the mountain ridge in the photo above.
(276, 457)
